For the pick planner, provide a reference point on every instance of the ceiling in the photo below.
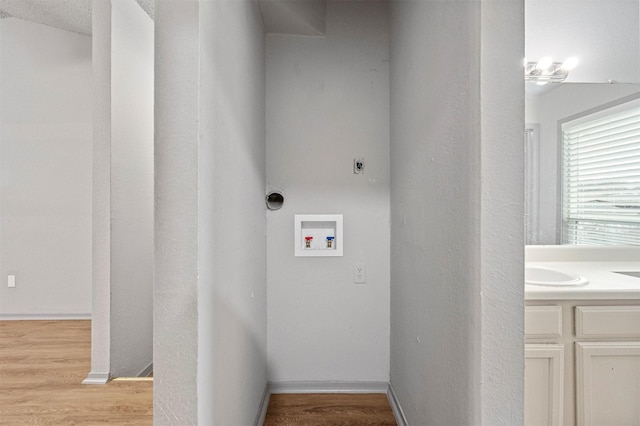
(293, 16)
(603, 34)
(71, 15)
(280, 16)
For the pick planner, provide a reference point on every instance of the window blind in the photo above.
(601, 177)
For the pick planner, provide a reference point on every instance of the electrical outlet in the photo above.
(359, 273)
(11, 281)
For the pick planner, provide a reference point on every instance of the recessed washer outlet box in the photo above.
(318, 235)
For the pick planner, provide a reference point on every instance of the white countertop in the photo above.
(603, 283)
(596, 264)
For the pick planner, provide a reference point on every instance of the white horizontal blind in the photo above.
(601, 177)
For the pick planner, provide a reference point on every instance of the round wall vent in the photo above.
(274, 200)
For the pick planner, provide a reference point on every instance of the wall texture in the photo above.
(210, 292)
(434, 179)
(45, 170)
(456, 212)
(232, 294)
(175, 304)
(499, 327)
(546, 110)
(328, 103)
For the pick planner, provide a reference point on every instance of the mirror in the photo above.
(604, 35)
(543, 112)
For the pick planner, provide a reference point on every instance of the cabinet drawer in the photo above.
(542, 321)
(607, 321)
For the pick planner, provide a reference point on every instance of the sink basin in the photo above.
(551, 277)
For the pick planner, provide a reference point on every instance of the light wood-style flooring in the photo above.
(329, 410)
(42, 365)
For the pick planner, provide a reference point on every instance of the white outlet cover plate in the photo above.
(318, 226)
(359, 277)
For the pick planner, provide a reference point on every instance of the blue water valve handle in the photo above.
(330, 242)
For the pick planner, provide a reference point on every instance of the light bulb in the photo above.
(541, 83)
(570, 64)
(544, 63)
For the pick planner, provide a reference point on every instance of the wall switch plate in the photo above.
(359, 273)
(11, 281)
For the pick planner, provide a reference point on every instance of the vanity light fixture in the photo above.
(546, 71)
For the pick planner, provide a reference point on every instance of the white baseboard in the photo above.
(262, 408)
(328, 387)
(401, 419)
(44, 317)
(96, 379)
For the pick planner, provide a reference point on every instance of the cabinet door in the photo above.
(608, 383)
(543, 389)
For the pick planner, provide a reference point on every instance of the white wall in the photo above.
(210, 289)
(232, 293)
(122, 332)
(175, 305)
(433, 187)
(547, 110)
(328, 103)
(131, 189)
(45, 166)
(499, 328)
(456, 211)
(101, 194)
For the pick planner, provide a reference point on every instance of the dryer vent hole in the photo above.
(274, 200)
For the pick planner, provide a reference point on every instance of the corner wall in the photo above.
(210, 292)
(175, 293)
(328, 103)
(131, 189)
(122, 189)
(45, 166)
(500, 239)
(232, 293)
(434, 216)
(456, 211)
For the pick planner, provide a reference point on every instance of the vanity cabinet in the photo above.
(608, 383)
(543, 377)
(582, 363)
(608, 369)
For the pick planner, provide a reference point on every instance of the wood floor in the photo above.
(42, 365)
(329, 410)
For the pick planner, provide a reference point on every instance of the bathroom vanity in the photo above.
(582, 343)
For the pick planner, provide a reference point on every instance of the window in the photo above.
(531, 184)
(601, 177)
